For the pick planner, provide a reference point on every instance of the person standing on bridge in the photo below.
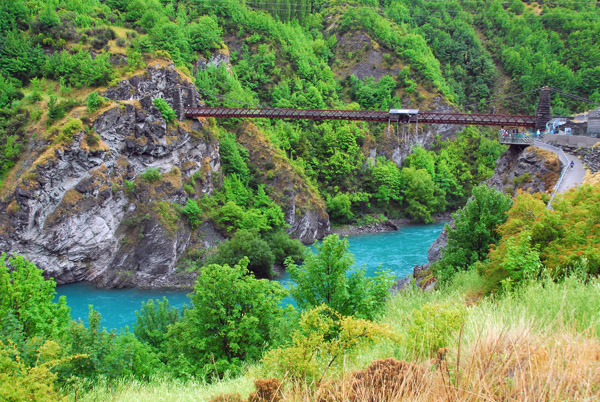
(538, 134)
(572, 164)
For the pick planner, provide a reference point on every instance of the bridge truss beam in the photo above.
(364, 115)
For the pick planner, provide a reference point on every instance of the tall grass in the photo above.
(542, 343)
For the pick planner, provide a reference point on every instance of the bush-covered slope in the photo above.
(59, 58)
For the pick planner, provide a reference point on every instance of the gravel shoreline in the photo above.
(388, 226)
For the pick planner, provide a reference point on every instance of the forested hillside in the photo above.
(309, 55)
(102, 178)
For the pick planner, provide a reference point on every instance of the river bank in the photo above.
(389, 225)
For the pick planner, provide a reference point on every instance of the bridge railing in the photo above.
(516, 139)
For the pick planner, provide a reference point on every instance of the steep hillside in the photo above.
(82, 132)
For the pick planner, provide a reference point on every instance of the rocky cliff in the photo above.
(87, 208)
(100, 204)
(531, 169)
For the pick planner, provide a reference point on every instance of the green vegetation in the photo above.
(94, 102)
(151, 175)
(165, 110)
(230, 321)
(346, 321)
(473, 231)
(324, 279)
(535, 337)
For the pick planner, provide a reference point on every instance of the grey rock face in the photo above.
(313, 224)
(73, 215)
(437, 247)
(158, 82)
(532, 170)
(217, 59)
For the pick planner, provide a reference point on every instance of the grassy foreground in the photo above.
(539, 344)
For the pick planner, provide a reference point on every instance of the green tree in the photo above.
(473, 230)
(340, 208)
(230, 321)
(422, 197)
(27, 296)
(153, 321)
(246, 243)
(106, 354)
(193, 213)
(165, 109)
(330, 277)
(204, 34)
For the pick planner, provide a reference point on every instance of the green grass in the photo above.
(541, 310)
(163, 389)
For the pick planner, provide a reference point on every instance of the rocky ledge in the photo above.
(84, 211)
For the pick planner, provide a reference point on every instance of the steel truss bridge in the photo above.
(399, 116)
(405, 116)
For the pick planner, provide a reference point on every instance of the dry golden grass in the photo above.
(499, 366)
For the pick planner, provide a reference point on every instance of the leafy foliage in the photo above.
(94, 102)
(324, 279)
(323, 337)
(230, 321)
(474, 230)
(28, 297)
(246, 243)
(152, 323)
(192, 212)
(536, 241)
(107, 354)
(165, 110)
(151, 175)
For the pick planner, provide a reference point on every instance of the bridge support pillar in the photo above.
(542, 113)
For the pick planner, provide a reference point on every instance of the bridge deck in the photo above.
(365, 115)
(516, 139)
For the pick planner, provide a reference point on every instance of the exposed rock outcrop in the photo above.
(85, 212)
(532, 170)
(304, 209)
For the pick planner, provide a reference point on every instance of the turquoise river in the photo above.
(397, 251)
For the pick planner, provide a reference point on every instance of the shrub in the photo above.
(510, 264)
(431, 328)
(204, 35)
(283, 247)
(165, 110)
(20, 382)
(339, 208)
(230, 321)
(29, 298)
(107, 354)
(151, 175)
(232, 161)
(246, 243)
(324, 279)
(323, 337)
(94, 102)
(152, 323)
(129, 187)
(193, 213)
(473, 232)
(92, 138)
